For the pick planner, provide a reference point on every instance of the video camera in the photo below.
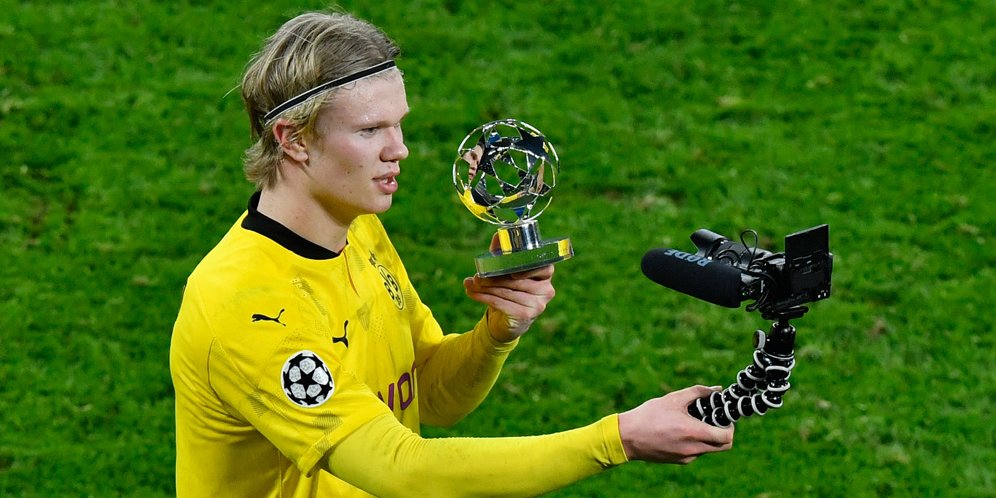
(727, 273)
(777, 282)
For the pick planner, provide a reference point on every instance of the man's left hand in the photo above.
(514, 301)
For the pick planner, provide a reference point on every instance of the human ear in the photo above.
(289, 138)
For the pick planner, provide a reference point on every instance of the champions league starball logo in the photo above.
(504, 174)
(306, 379)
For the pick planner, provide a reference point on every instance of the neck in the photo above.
(304, 216)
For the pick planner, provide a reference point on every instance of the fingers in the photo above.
(510, 301)
(719, 438)
(519, 287)
(716, 438)
(541, 273)
(695, 392)
(522, 299)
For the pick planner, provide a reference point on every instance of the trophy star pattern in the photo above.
(505, 171)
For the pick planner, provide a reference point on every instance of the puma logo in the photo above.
(259, 316)
(344, 340)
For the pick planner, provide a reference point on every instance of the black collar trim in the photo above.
(271, 229)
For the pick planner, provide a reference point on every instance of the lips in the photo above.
(388, 183)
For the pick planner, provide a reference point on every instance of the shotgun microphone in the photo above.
(695, 275)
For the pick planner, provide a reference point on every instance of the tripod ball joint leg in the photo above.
(759, 387)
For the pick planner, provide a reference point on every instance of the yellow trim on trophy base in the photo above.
(503, 263)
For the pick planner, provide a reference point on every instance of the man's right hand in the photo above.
(661, 430)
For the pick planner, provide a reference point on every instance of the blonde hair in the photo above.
(308, 50)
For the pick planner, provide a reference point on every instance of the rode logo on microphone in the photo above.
(691, 258)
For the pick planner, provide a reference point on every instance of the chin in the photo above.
(382, 207)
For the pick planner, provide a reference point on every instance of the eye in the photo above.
(369, 131)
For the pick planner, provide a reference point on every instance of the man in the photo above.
(302, 358)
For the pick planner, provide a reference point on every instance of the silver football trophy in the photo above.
(504, 173)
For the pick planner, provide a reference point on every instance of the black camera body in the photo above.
(779, 283)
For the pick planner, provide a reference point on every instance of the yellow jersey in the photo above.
(267, 316)
(283, 349)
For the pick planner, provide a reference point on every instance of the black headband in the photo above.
(363, 73)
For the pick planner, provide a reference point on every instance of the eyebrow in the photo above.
(374, 123)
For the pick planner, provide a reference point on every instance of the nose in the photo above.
(395, 149)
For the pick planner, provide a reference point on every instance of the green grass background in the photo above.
(120, 154)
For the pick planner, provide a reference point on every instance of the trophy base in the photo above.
(543, 253)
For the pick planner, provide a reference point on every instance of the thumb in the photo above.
(495, 243)
(690, 394)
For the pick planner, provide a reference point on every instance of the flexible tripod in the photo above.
(761, 385)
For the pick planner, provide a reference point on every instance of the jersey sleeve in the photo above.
(386, 459)
(289, 385)
(459, 373)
